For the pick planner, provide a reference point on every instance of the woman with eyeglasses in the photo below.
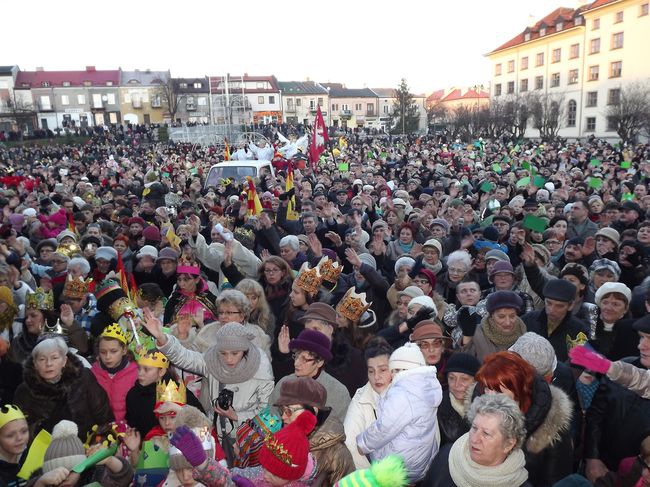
(191, 295)
(459, 264)
(435, 346)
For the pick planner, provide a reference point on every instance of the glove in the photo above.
(423, 313)
(242, 481)
(291, 192)
(190, 446)
(581, 355)
(468, 321)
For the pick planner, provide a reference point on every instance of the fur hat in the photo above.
(66, 449)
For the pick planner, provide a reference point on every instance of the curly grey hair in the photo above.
(506, 409)
(460, 256)
(82, 263)
(236, 298)
(290, 241)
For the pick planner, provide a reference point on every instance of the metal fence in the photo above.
(215, 135)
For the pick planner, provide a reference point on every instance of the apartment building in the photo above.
(300, 100)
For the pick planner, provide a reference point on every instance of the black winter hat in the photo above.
(464, 363)
(560, 290)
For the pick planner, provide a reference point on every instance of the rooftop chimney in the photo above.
(90, 69)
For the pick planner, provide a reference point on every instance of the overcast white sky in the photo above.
(432, 43)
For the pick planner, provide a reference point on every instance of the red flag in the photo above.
(318, 138)
(226, 151)
(120, 271)
(71, 226)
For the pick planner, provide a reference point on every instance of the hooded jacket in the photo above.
(406, 422)
(327, 445)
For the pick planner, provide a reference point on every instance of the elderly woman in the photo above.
(233, 307)
(490, 453)
(498, 331)
(233, 363)
(191, 295)
(468, 296)
(602, 271)
(430, 258)
(405, 243)
(548, 413)
(403, 267)
(290, 252)
(459, 264)
(614, 336)
(57, 386)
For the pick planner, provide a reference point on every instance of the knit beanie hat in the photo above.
(66, 449)
(366, 258)
(233, 337)
(285, 454)
(388, 472)
(404, 261)
(537, 351)
(462, 362)
(406, 357)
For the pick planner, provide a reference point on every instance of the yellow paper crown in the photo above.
(75, 288)
(170, 392)
(114, 331)
(154, 358)
(329, 269)
(353, 305)
(40, 299)
(9, 413)
(309, 280)
(68, 249)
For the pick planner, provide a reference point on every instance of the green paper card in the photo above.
(95, 458)
(523, 182)
(486, 187)
(595, 162)
(595, 183)
(526, 165)
(165, 175)
(626, 164)
(496, 168)
(194, 170)
(627, 197)
(534, 223)
(539, 181)
(344, 166)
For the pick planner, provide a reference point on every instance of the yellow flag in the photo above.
(35, 455)
(291, 206)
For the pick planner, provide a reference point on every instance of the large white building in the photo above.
(581, 57)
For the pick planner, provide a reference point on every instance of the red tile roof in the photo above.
(435, 96)
(35, 79)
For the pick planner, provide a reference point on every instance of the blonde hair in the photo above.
(261, 314)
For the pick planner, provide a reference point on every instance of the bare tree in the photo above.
(547, 111)
(629, 110)
(20, 112)
(171, 96)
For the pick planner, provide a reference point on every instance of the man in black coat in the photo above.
(555, 321)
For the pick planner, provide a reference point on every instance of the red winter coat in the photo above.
(116, 387)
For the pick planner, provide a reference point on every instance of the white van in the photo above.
(238, 171)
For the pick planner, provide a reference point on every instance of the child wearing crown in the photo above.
(114, 370)
(14, 438)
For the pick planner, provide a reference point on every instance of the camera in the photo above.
(224, 399)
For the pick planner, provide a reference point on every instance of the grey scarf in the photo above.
(243, 371)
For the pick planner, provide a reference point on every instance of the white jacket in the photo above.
(362, 412)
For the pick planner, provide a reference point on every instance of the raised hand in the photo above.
(527, 254)
(315, 244)
(353, 257)
(283, 339)
(132, 439)
(153, 325)
(67, 315)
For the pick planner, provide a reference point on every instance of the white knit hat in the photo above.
(425, 302)
(613, 287)
(406, 357)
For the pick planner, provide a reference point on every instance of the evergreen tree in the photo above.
(405, 118)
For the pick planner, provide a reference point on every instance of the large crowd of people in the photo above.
(404, 311)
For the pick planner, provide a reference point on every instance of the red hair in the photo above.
(406, 226)
(123, 238)
(510, 371)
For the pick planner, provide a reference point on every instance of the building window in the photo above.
(572, 110)
(81, 99)
(594, 46)
(182, 85)
(357, 107)
(542, 31)
(618, 18)
(66, 83)
(511, 66)
(573, 77)
(497, 89)
(593, 73)
(539, 82)
(345, 107)
(127, 97)
(511, 87)
(617, 40)
(616, 69)
(260, 100)
(370, 108)
(65, 100)
(577, 21)
(523, 85)
(45, 84)
(643, 11)
(497, 70)
(202, 101)
(574, 51)
(557, 55)
(109, 83)
(260, 85)
(524, 63)
(592, 98)
(555, 80)
(271, 100)
(591, 124)
(198, 86)
(320, 101)
(527, 36)
(298, 102)
(595, 24)
(87, 83)
(559, 26)
(614, 96)
(45, 103)
(539, 59)
(612, 126)
(111, 98)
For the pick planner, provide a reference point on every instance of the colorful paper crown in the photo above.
(171, 392)
(154, 358)
(121, 307)
(115, 332)
(40, 299)
(187, 265)
(329, 269)
(75, 288)
(309, 280)
(68, 249)
(277, 449)
(244, 235)
(353, 305)
(9, 413)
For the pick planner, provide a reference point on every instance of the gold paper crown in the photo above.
(75, 288)
(170, 392)
(40, 299)
(114, 331)
(309, 280)
(278, 450)
(353, 305)
(154, 358)
(68, 249)
(329, 269)
(9, 413)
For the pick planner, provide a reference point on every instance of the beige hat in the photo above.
(432, 242)
(610, 233)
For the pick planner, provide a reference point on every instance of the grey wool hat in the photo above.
(66, 449)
